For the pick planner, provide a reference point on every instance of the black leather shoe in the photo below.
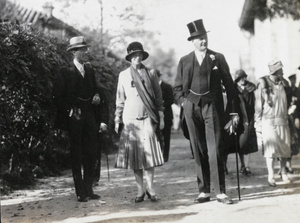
(225, 200)
(94, 197)
(82, 199)
(153, 198)
(139, 199)
(202, 199)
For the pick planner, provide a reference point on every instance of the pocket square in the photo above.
(215, 68)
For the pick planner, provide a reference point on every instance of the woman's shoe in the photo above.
(153, 198)
(247, 171)
(139, 199)
(272, 183)
(242, 170)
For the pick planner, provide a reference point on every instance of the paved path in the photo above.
(53, 199)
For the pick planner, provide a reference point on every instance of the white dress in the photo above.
(273, 120)
(139, 147)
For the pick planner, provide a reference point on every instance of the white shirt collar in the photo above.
(79, 66)
(200, 55)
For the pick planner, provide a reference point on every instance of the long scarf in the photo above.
(145, 90)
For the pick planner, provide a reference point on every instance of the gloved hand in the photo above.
(96, 99)
(235, 119)
(103, 128)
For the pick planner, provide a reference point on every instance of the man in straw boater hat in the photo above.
(272, 96)
(80, 112)
(198, 91)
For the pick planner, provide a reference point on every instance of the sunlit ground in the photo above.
(54, 200)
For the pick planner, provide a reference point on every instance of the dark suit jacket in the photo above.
(65, 95)
(218, 73)
(167, 94)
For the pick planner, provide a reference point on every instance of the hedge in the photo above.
(30, 146)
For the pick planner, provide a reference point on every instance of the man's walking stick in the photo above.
(106, 140)
(236, 157)
(107, 166)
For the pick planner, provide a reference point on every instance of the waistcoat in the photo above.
(199, 90)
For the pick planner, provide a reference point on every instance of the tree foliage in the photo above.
(286, 8)
(29, 61)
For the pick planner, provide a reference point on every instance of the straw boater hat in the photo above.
(239, 74)
(274, 66)
(196, 28)
(77, 42)
(136, 47)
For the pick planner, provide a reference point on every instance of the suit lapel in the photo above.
(206, 66)
(191, 60)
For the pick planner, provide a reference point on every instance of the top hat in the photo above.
(196, 28)
(136, 47)
(77, 42)
(239, 74)
(274, 66)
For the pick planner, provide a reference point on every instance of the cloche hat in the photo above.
(136, 47)
(239, 74)
(274, 66)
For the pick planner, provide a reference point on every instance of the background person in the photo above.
(139, 108)
(271, 119)
(167, 94)
(247, 141)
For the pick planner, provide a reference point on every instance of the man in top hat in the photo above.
(167, 94)
(272, 97)
(79, 112)
(198, 91)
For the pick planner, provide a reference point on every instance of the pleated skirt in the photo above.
(139, 147)
(276, 140)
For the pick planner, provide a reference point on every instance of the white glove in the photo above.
(103, 127)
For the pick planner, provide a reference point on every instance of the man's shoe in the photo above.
(82, 199)
(94, 197)
(202, 198)
(223, 198)
(285, 178)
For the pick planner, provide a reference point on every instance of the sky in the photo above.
(169, 18)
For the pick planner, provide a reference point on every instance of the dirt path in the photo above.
(53, 199)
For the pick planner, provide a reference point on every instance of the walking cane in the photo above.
(106, 139)
(236, 156)
(107, 166)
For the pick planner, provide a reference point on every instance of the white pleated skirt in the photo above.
(139, 147)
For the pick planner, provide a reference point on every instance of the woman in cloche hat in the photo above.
(247, 141)
(271, 119)
(138, 119)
